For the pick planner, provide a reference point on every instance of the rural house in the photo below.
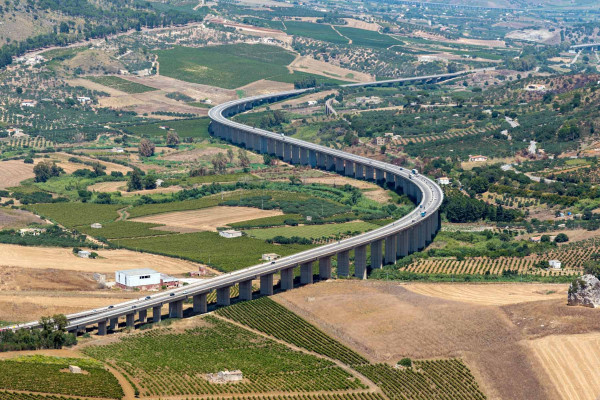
(230, 233)
(143, 279)
(477, 158)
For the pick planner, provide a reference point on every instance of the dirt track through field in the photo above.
(208, 219)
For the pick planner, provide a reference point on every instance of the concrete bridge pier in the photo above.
(331, 165)
(369, 173)
(113, 324)
(246, 290)
(156, 314)
(390, 249)
(287, 152)
(412, 240)
(360, 262)
(102, 328)
(359, 172)
(306, 273)
(390, 180)
(379, 175)
(295, 155)
(303, 156)
(339, 166)
(258, 144)
(266, 285)
(287, 278)
(322, 160)
(200, 305)
(272, 146)
(279, 148)
(176, 309)
(312, 158)
(402, 245)
(143, 316)
(376, 261)
(224, 296)
(325, 268)
(130, 320)
(264, 144)
(343, 263)
(349, 169)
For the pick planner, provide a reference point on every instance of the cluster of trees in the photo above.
(138, 180)
(272, 120)
(461, 208)
(53, 335)
(290, 240)
(146, 148)
(307, 82)
(45, 170)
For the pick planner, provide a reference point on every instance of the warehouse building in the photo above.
(143, 279)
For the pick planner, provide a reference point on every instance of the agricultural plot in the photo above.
(361, 37)
(209, 248)
(267, 222)
(425, 380)
(13, 172)
(314, 232)
(47, 374)
(275, 320)
(77, 214)
(124, 229)
(38, 142)
(170, 364)
(333, 396)
(195, 128)
(120, 84)
(310, 30)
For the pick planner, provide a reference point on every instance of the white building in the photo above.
(443, 180)
(555, 264)
(96, 225)
(270, 256)
(143, 279)
(31, 231)
(28, 103)
(477, 158)
(230, 233)
(536, 88)
(312, 102)
(84, 254)
(230, 376)
(83, 99)
(117, 150)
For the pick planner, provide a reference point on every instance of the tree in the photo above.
(84, 195)
(45, 170)
(230, 155)
(591, 268)
(219, 162)
(149, 182)
(561, 238)
(243, 156)
(146, 148)
(268, 159)
(135, 180)
(103, 198)
(172, 139)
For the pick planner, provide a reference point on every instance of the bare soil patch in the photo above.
(491, 294)
(372, 191)
(265, 86)
(310, 65)
(386, 322)
(17, 218)
(12, 172)
(208, 219)
(356, 23)
(31, 257)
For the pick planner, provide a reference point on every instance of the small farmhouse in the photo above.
(554, 264)
(84, 254)
(96, 225)
(230, 233)
(443, 180)
(477, 158)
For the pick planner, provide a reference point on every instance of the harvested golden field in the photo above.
(572, 363)
(110, 260)
(13, 172)
(207, 219)
(264, 86)
(385, 321)
(310, 65)
(356, 23)
(491, 294)
(17, 218)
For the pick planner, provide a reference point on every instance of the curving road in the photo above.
(408, 234)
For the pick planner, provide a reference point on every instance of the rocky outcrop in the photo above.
(585, 291)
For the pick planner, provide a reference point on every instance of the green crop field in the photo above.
(210, 248)
(43, 374)
(176, 364)
(361, 37)
(124, 229)
(120, 84)
(274, 319)
(313, 231)
(339, 396)
(314, 31)
(299, 75)
(77, 214)
(276, 220)
(196, 128)
(227, 66)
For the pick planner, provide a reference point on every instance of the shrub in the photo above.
(405, 362)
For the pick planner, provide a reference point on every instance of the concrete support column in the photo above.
(339, 165)
(421, 231)
(176, 309)
(246, 290)
(402, 245)
(330, 163)
(306, 273)
(200, 305)
(312, 158)
(130, 320)
(266, 284)
(303, 156)
(264, 146)
(279, 148)
(287, 278)
(349, 170)
(343, 263)
(143, 316)
(287, 152)
(113, 324)
(322, 160)
(295, 155)
(224, 296)
(398, 184)
(359, 173)
(272, 146)
(369, 173)
(102, 328)
(376, 254)
(379, 177)
(390, 249)
(360, 262)
(325, 268)
(390, 180)
(413, 240)
(156, 314)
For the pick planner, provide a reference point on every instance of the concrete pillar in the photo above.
(398, 184)
(142, 316)
(325, 268)
(102, 328)
(312, 158)
(359, 173)
(390, 249)
(266, 284)
(390, 180)
(379, 175)
(330, 163)
(176, 309)
(295, 155)
(303, 156)
(200, 305)
(130, 320)
(113, 324)
(279, 148)
(349, 170)
(339, 165)
(306, 273)
(369, 173)
(322, 160)
(246, 290)
(343, 263)
(287, 153)
(156, 314)
(272, 146)
(413, 240)
(360, 262)
(224, 296)
(287, 278)
(376, 254)
(402, 245)
(264, 147)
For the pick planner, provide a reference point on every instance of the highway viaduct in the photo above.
(409, 234)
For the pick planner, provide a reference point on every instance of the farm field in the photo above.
(17, 218)
(12, 172)
(120, 84)
(125, 229)
(209, 248)
(311, 30)
(195, 128)
(314, 232)
(214, 345)
(361, 37)
(121, 186)
(207, 219)
(77, 214)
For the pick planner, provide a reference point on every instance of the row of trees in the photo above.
(53, 335)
